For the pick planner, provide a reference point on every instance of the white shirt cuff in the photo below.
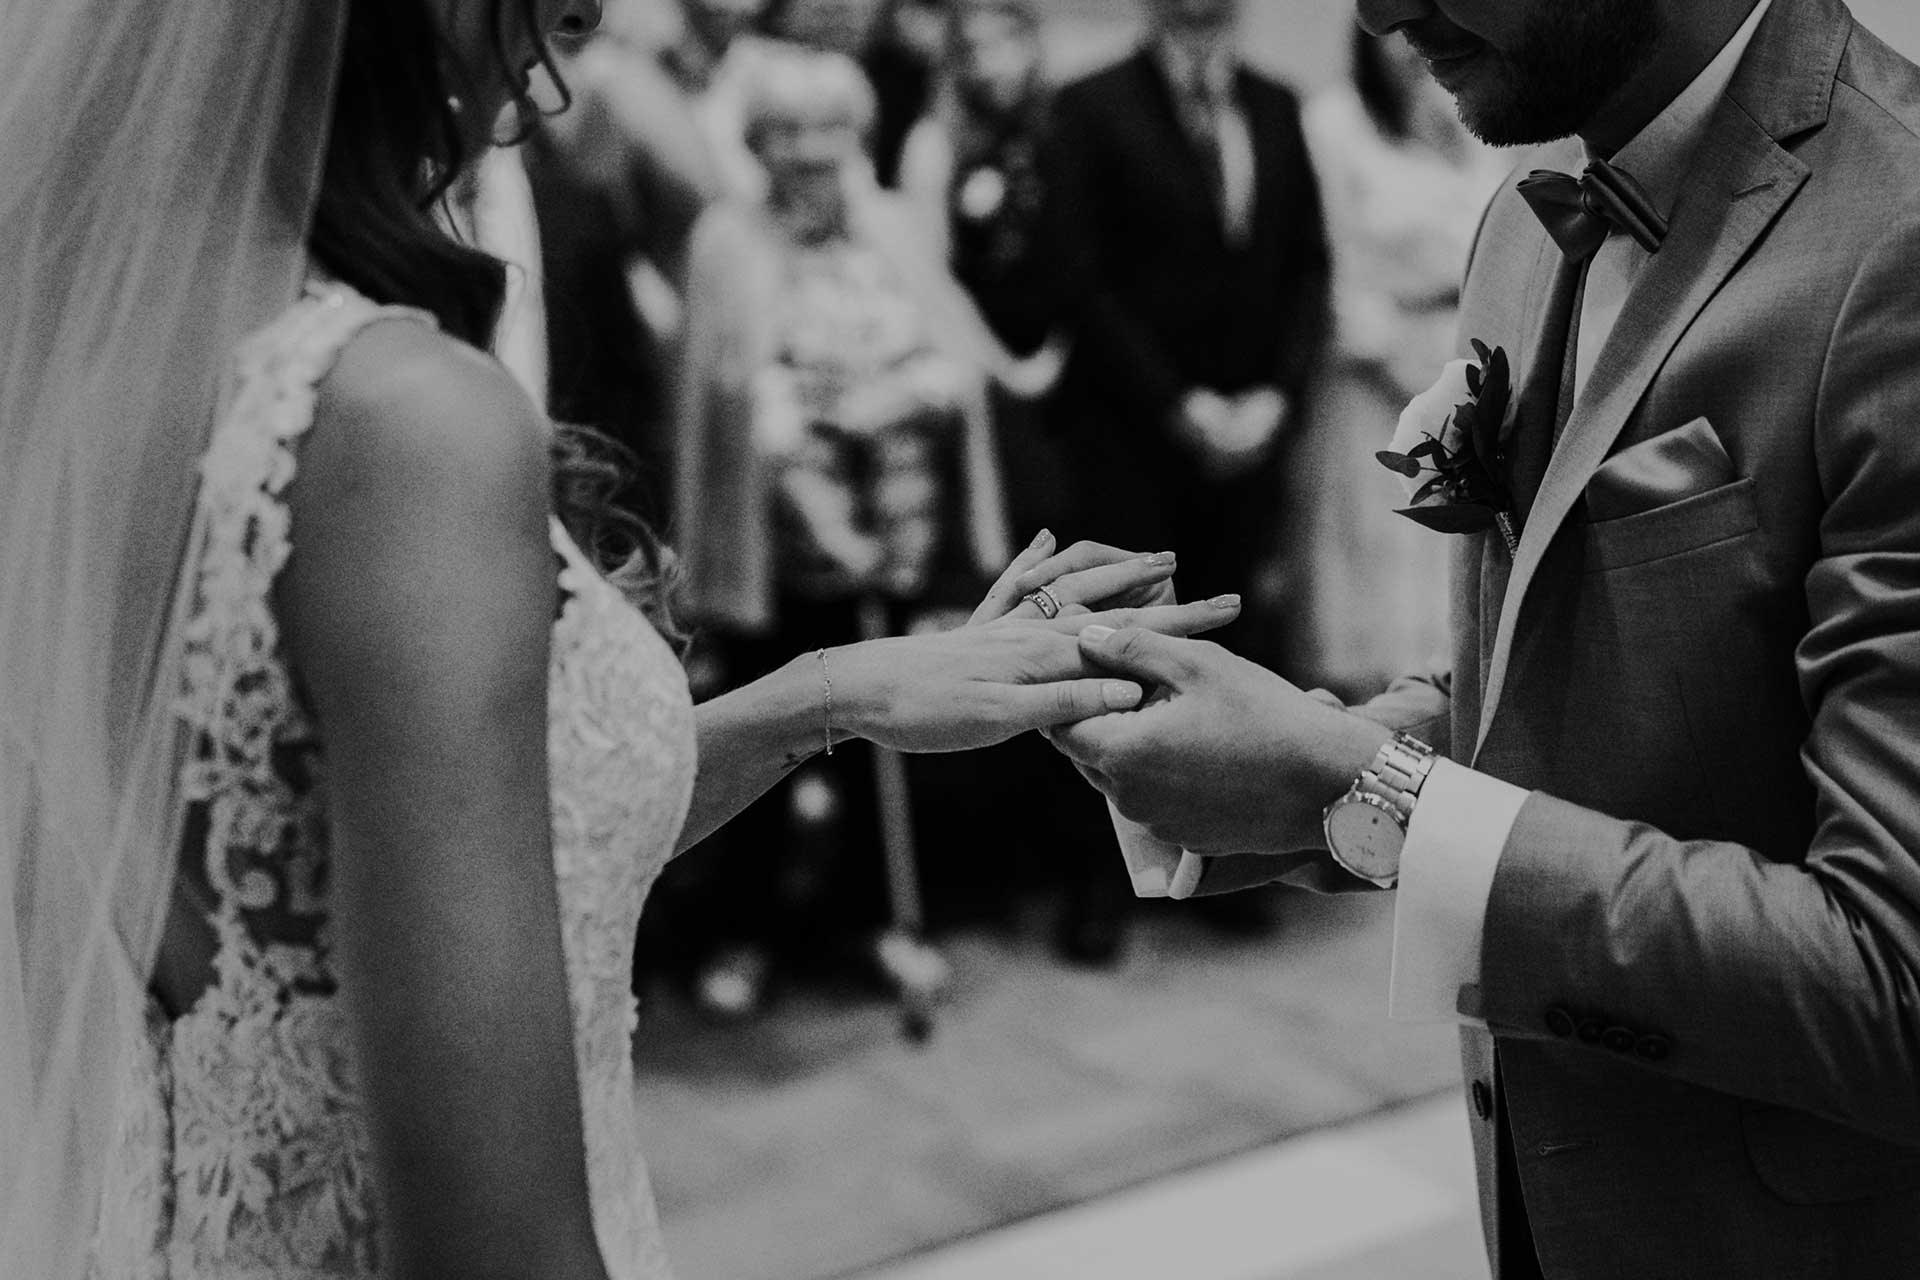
(1454, 842)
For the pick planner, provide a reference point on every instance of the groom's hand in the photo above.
(1224, 756)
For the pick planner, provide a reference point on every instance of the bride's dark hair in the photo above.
(396, 150)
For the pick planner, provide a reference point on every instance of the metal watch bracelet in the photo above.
(1397, 773)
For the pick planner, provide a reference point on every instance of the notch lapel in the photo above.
(1162, 100)
(1743, 180)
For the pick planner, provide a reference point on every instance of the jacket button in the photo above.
(1590, 1030)
(1654, 1047)
(1482, 1100)
(1560, 1022)
(1618, 1039)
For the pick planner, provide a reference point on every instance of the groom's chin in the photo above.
(1501, 116)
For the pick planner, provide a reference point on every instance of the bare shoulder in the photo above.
(419, 528)
(408, 414)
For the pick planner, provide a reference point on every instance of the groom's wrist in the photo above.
(1307, 776)
(1351, 747)
(1353, 744)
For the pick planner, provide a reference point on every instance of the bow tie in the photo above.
(1579, 213)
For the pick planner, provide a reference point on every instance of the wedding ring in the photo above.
(1046, 602)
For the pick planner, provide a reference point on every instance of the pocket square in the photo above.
(1669, 468)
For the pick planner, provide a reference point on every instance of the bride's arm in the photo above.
(953, 691)
(418, 604)
(751, 738)
(949, 692)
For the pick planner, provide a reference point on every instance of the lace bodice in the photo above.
(242, 1153)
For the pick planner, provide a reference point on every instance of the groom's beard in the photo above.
(1571, 57)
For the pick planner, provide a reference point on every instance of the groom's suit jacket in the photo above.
(1701, 959)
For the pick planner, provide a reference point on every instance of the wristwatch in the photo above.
(1367, 827)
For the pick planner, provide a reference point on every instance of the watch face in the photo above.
(1366, 839)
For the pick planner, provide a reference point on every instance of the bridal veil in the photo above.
(158, 166)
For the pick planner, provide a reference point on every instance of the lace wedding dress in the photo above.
(241, 1151)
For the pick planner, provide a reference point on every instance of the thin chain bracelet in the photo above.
(826, 702)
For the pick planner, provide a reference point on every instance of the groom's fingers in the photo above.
(1088, 743)
(1097, 780)
(1148, 656)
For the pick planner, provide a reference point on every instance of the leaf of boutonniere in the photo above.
(1399, 462)
(1499, 393)
(1451, 518)
(1428, 448)
(1427, 490)
(1481, 351)
(1473, 381)
(1487, 431)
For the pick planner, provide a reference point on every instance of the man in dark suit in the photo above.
(1187, 229)
(1665, 867)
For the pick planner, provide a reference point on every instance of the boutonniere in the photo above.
(1448, 448)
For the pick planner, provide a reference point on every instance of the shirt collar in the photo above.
(1659, 155)
(1177, 61)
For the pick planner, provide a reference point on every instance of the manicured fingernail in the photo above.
(1159, 559)
(1096, 634)
(1225, 602)
(1119, 695)
(1041, 538)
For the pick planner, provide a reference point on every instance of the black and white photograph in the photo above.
(959, 640)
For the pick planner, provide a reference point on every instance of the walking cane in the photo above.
(917, 971)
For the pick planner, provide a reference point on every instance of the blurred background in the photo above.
(872, 291)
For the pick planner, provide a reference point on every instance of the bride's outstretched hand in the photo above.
(974, 687)
(1042, 583)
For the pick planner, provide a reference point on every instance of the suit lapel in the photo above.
(1159, 96)
(1204, 191)
(1743, 178)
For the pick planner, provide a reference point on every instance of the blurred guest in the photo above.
(847, 27)
(903, 62)
(1404, 184)
(971, 167)
(834, 471)
(618, 182)
(971, 170)
(1187, 218)
(898, 43)
(716, 61)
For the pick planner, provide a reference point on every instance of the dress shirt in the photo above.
(1206, 81)
(1464, 818)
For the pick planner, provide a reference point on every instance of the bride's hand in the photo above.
(977, 686)
(1086, 577)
